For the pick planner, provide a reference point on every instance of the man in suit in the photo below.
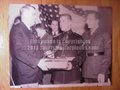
(45, 44)
(24, 49)
(98, 51)
(73, 73)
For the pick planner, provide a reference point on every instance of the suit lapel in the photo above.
(26, 30)
(95, 34)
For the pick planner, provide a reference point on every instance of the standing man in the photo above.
(98, 51)
(25, 56)
(45, 45)
(72, 75)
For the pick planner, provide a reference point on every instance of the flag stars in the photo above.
(56, 11)
(41, 18)
(44, 19)
(46, 14)
(51, 15)
(56, 6)
(50, 10)
(57, 15)
(45, 9)
(46, 25)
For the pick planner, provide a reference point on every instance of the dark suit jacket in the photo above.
(25, 56)
(64, 76)
(100, 41)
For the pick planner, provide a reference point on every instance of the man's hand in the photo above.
(69, 66)
(101, 78)
(49, 54)
(42, 65)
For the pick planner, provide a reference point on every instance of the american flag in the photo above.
(77, 11)
(48, 13)
(51, 11)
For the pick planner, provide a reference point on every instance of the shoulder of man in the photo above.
(48, 36)
(105, 34)
(86, 33)
(60, 36)
(17, 26)
(75, 35)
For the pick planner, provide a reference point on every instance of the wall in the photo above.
(4, 33)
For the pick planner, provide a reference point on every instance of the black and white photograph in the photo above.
(55, 45)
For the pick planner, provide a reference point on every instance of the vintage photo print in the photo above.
(54, 45)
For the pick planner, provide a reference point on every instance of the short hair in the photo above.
(17, 20)
(26, 7)
(39, 25)
(97, 15)
(66, 15)
(50, 21)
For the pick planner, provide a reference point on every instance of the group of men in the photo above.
(90, 64)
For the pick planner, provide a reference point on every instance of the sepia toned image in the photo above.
(54, 45)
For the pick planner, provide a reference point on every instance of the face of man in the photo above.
(65, 23)
(32, 16)
(29, 16)
(41, 32)
(54, 25)
(91, 20)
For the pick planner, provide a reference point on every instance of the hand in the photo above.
(38, 32)
(101, 78)
(49, 54)
(42, 65)
(69, 66)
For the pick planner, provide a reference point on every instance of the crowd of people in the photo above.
(92, 61)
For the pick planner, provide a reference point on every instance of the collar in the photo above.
(69, 31)
(29, 28)
(55, 33)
